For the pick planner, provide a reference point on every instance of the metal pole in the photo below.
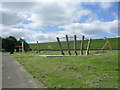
(89, 43)
(68, 46)
(75, 44)
(82, 45)
(60, 46)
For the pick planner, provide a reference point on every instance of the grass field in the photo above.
(96, 44)
(92, 71)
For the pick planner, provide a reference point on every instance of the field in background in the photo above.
(92, 71)
(96, 44)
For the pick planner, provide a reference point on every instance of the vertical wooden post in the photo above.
(60, 46)
(22, 47)
(75, 45)
(68, 46)
(38, 47)
(88, 47)
(82, 45)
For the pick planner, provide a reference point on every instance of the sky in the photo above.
(44, 21)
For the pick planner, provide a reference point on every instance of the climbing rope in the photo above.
(103, 46)
(34, 48)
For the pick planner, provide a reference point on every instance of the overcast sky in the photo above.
(44, 21)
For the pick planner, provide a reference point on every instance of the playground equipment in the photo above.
(75, 45)
(109, 45)
(87, 52)
(37, 46)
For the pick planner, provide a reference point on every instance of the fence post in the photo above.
(82, 45)
(88, 47)
(38, 47)
(75, 45)
(60, 46)
(68, 46)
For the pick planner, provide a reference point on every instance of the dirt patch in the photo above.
(68, 68)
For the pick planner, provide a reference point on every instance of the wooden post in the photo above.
(110, 47)
(22, 47)
(68, 46)
(38, 47)
(60, 46)
(75, 45)
(82, 45)
(88, 47)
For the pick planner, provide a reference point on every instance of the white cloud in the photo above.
(7, 31)
(87, 29)
(45, 13)
(19, 6)
(105, 5)
(13, 13)
(92, 28)
(58, 13)
(54, 13)
(27, 34)
(60, 1)
(10, 18)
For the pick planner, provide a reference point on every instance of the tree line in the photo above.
(10, 43)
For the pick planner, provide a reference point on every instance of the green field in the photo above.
(92, 71)
(96, 44)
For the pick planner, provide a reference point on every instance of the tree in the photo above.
(9, 43)
(26, 45)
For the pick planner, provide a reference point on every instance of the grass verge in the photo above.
(92, 71)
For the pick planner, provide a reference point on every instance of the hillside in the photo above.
(96, 44)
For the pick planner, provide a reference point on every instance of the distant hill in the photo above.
(96, 44)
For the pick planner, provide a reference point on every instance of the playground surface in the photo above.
(62, 55)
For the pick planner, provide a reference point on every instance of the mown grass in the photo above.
(92, 71)
(96, 44)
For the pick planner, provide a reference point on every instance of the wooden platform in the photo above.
(63, 55)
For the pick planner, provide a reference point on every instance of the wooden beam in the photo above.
(109, 45)
(38, 47)
(88, 47)
(82, 45)
(60, 46)
(68, 46)
(75, 45)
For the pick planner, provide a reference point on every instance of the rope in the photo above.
(101, 48)
(34, 48)
(104, 46)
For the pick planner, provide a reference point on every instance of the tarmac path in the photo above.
(14, 75)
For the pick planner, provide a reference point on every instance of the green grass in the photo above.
(96, 43)
(92, 71)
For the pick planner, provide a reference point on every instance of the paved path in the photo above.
(14, 75)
